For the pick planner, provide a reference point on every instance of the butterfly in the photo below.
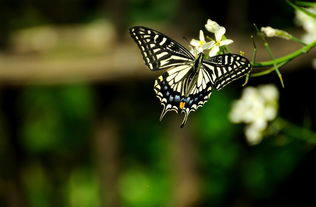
(188, 81)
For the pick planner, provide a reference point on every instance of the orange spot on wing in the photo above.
(182, 104)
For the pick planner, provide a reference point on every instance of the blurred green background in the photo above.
(79, 119)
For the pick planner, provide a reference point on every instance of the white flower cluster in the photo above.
(308, 23)
(214, 45)
(256, 107)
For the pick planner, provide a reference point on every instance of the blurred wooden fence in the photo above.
(120, 59)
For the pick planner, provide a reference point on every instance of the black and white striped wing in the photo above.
(223, 69)
(158, 50)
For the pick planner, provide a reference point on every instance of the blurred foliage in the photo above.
(151, 10)
(39, 189)
(56, 131)
(141, 187)
(225, 162)
(218, 149)
(268, 10)
(145, 180)
(82, 188)
(51, 118)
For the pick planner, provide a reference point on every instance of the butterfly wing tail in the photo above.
(185, 119)
(163, 113)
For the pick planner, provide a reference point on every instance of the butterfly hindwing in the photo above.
(226, 68)
(158, 50)
(172, 98)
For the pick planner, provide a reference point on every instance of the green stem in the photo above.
(286, 58)
(297, 40)
(297, 131)
(301, 9)
(267, 47)
(305, 3)
(265, 72)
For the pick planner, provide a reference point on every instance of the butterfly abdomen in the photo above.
(174, 100)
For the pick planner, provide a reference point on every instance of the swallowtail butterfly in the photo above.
(188, 81)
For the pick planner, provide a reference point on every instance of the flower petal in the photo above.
(208, 45)
(226, 42)
(219, 33)
(194, 52)
(195, 42)
(199, 49)
(269, 31)
(214, 51)
(211, 26)
(202, 38)
(254, 136)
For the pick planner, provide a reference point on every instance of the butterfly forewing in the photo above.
(226, 68)
(158, 50)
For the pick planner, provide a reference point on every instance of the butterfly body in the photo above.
(188, 81)
(193, 75)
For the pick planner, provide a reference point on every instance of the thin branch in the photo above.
(297, 131)
(288, 57)
(305, 3)
(276, 68)
(265, 72)
(267, 47)
(295, 39)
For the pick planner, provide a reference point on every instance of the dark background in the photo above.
(91, 137)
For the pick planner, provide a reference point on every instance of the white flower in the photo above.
(253, 134)
(200, 45)
(269, 92)
(219, 32)
(213, 46)
(256, 107)
(212, 26)
(308, 23)
(271, 32)
(195, 52)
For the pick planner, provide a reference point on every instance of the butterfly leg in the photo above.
(246, 79)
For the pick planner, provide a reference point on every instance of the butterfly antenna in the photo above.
(186, 40)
